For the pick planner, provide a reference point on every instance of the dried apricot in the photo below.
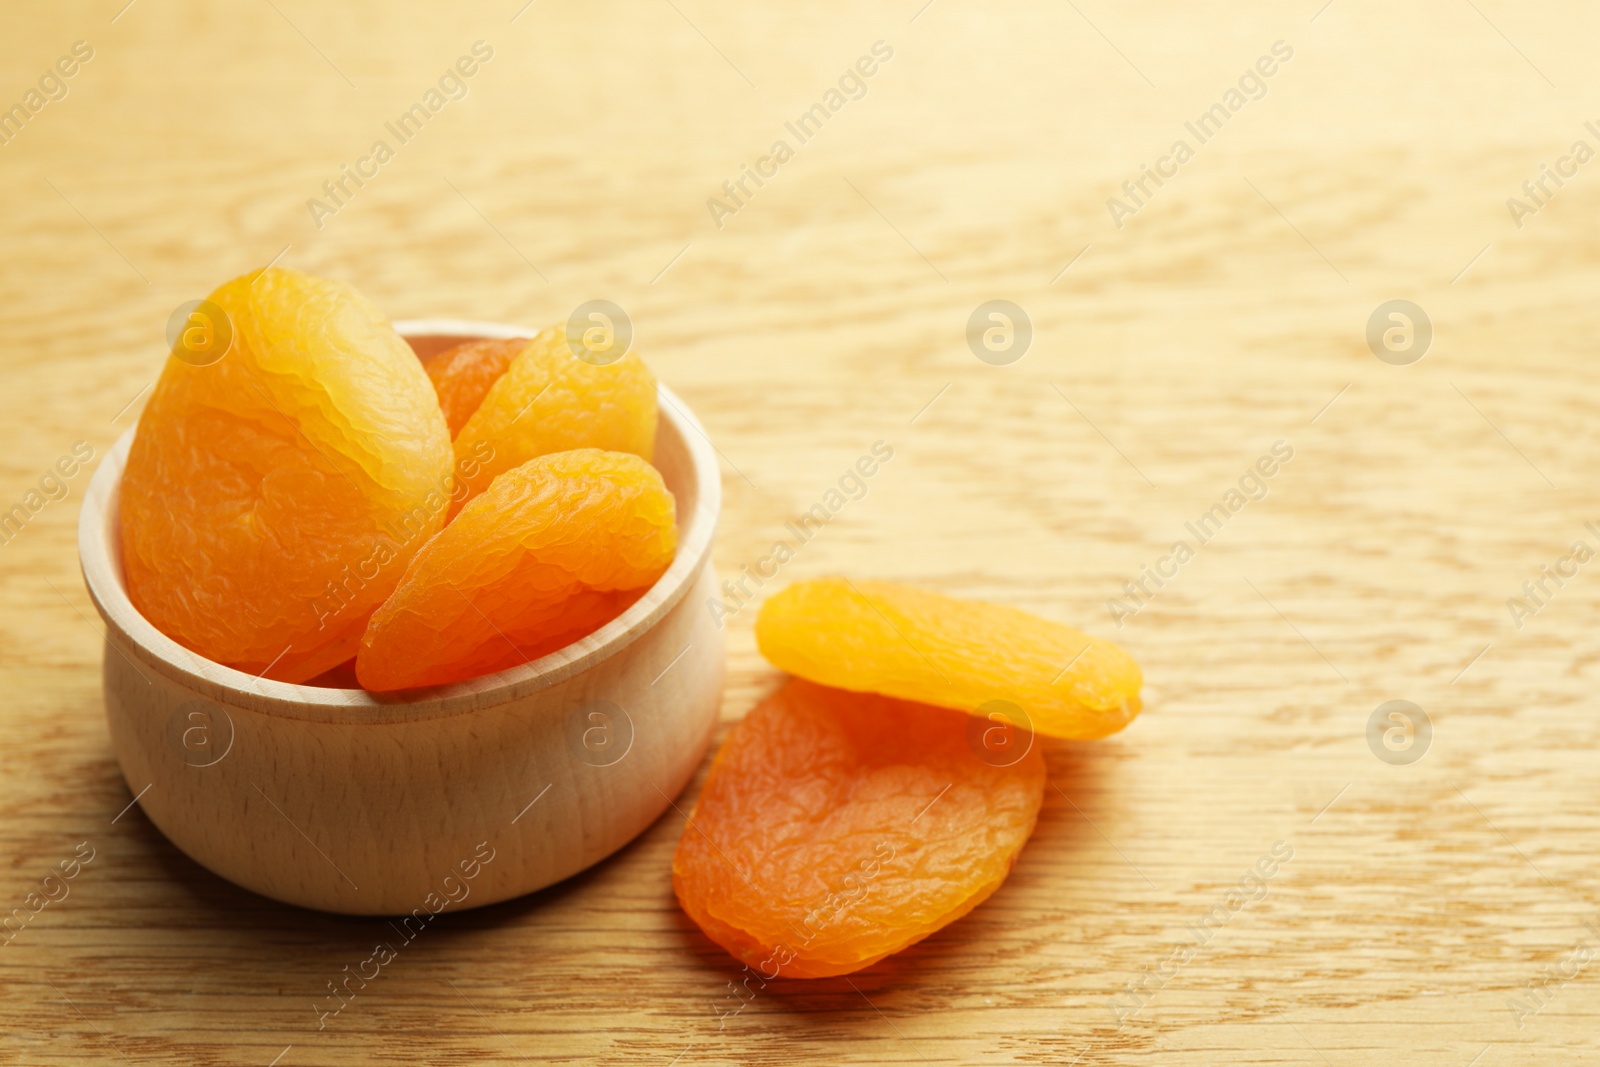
(463, 375)
(263, 490)
(549, 400)
(836, 828)
(887, 637)
(553, 550)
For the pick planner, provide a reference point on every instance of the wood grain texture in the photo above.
(826, 314)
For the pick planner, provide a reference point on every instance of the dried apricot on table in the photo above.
(272, 497)
(836, 828)
(463, 375)
(897, 639)
(555, 549)
(550, 400)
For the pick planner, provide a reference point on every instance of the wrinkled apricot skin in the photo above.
(552, 551)
(463, 375)
(549, 400)
(888, 637)
(260, 487)
(836, 828)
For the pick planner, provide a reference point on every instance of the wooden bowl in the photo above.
(457, 796)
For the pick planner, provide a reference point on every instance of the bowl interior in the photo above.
(683, 455)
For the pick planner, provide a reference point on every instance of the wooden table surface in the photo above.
(1433, 913)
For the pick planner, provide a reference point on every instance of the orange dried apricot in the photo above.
(897, 639)
(463, 375)
(553, 550)
(261, 493)
(549, 400)
(836, 828)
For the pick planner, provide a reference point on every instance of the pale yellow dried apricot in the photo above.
(912, 643)
(550, 400)
(272, 498)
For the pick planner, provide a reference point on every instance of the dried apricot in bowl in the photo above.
(463, 375)
(549, 400)
(836, 828)
(272, 498)
(554, 550)
(897, 639)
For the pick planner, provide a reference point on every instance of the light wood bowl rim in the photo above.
(100, 557)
